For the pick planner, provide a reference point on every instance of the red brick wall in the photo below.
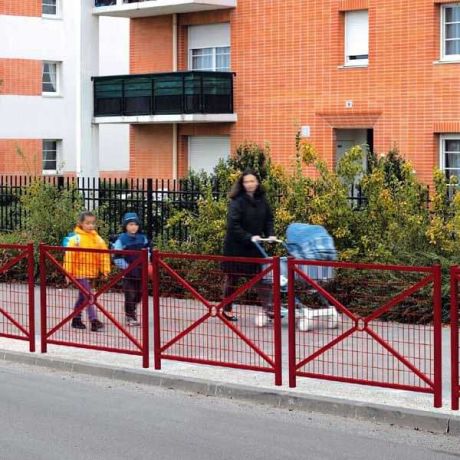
(21, 7)
(12, 163)
(151, 151)
(288, 59)
(151, 44)
(21, 77)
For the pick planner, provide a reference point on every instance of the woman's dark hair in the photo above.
(238, 187)
(83, 215)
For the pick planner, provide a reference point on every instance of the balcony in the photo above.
(179, 97)
(143, 8)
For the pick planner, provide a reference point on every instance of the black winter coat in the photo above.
(247, 216)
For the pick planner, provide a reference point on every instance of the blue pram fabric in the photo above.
(311, 242)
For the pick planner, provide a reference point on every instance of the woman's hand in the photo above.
(255, 238)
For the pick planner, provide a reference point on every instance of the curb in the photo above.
(284, 399)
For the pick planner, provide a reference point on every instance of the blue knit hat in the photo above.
(130, 217)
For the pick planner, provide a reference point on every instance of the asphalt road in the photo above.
(47, 414)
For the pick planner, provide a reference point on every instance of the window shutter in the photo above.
(209, 36)
(356, 37)
(206, 151)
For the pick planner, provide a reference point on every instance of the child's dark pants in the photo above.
(132, 288)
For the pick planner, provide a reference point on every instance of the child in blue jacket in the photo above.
(131, 239)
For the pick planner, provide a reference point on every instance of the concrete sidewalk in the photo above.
(358, 401)
(402, 408)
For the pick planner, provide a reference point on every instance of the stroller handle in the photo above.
(262, 250)
(270, 240)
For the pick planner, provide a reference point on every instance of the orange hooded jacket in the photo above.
(82, 264)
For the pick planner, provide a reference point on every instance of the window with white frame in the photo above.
(50, 7)
(450, 32)
(357, 38)
(50, 156)
(450, 155)
(50, 78)
(209, 47)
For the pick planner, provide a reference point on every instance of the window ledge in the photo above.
(347, 66)
(53, 17)
(447, 61)
(52, 95)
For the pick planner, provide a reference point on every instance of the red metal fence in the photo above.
(454, 336)
(354, 323)
(191, 293)
(17, 305)
(69, 288)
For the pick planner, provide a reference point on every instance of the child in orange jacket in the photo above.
(86, 266)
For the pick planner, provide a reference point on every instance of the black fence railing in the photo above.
(194, 92)
(153, 199)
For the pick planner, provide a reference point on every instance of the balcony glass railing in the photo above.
(175, 93)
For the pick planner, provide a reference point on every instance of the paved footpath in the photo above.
(414, 410)
(398, 407)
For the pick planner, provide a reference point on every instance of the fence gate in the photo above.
(17, 304)
(454, 336)
(366, 324)
(189, 319)
(104, 296)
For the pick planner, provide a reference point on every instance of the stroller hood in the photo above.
(311, 242)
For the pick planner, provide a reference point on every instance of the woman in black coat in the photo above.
(249, 219)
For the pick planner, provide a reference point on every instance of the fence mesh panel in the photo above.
(358, 326)
(193, 293)
(76, 299)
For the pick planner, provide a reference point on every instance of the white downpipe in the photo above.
(174, 42)
(174, 151)
(174, 59)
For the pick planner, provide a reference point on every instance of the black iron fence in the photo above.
(153, 199)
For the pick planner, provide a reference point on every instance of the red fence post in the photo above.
(30, 279)
(42, 268)
(277, 323)
(455, 390)
(291, 323)
(145, 309)
(437, 324)
(156, 311)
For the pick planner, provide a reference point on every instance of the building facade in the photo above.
(340, 72)
(154, 88)
(49, 51)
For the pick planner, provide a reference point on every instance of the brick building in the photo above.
(202, 76)
(343, 72)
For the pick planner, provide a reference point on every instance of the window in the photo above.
(50, 7)
(356, 38)
(50, 78)
(450, 155)
(50, 156)
(209, 47)
(450, 32)
(211, 59)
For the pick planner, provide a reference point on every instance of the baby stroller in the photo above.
(307, 242)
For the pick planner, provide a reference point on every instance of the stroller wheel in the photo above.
(333, 321)
(304, 324)
(261, 320)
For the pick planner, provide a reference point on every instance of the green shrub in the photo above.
(49, 212)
